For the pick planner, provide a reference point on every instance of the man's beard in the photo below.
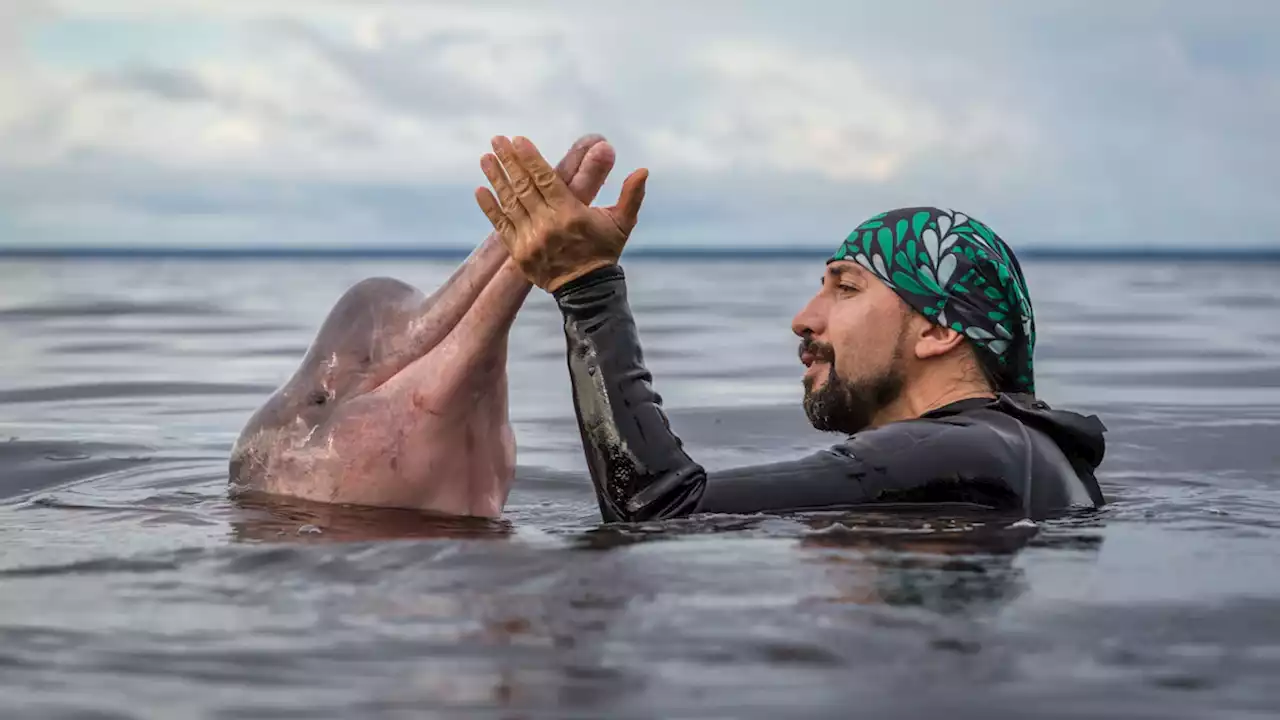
(848, 407)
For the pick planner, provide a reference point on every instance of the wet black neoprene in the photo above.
(1010, 453)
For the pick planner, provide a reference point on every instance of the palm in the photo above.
(553, 236)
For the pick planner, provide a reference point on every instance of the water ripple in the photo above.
(133, 585)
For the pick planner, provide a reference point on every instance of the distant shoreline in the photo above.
(692, 254)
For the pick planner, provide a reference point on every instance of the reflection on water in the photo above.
(132, 585)
(263, 518)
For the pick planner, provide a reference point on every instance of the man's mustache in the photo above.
(820, 351)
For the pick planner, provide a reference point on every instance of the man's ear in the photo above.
(932, 339)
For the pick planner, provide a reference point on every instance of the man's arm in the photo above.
(641, 472)
(637, 464)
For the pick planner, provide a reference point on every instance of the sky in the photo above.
(345, 123)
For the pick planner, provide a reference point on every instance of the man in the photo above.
(918, 346)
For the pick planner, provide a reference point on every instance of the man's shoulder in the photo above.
(1004, 445)
(975, 443)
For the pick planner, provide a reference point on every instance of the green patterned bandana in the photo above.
(958, 273)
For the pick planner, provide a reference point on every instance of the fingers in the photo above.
(484, 261)
(627, 212)
(521, 182)
(545, 178)
(507, 199)
(587, 165)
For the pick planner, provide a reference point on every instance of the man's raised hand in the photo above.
(552, 235)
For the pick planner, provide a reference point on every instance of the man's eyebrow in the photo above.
(838, 270)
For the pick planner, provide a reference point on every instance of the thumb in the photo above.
(627, 212)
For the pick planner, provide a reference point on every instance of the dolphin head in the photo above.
(401, 399)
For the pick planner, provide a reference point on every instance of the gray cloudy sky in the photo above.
(332, 122)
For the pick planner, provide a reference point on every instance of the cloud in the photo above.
(337, 122)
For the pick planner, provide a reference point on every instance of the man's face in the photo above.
(853, 335)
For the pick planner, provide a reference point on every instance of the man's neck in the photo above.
(922, 398)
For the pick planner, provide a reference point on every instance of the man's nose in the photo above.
(810, 320)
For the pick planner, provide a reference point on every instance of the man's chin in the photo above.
(833, 405)
(827, 405)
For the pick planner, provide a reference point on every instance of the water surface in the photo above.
(130, 586)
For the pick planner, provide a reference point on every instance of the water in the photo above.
(130, 586)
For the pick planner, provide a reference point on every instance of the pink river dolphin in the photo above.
(401, 400)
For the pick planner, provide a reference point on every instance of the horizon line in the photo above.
(686, 253)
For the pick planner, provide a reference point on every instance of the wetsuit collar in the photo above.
(960, 406)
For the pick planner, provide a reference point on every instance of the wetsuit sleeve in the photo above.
(641, 472)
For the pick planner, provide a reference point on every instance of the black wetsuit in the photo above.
(1008, 453)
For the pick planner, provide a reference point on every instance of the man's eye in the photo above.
(847, 288)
